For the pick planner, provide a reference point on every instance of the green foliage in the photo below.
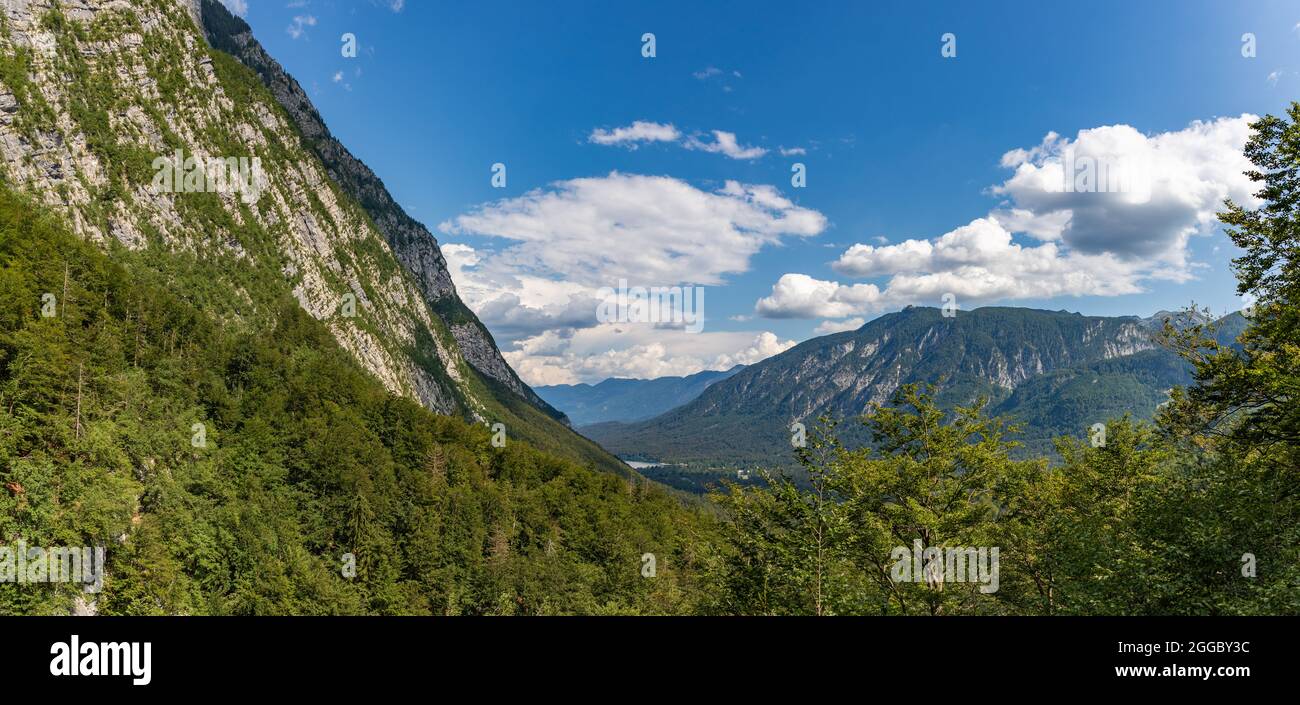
(931, 477)
(1134, 526)
(786, 545)
(1250, 397)
(306, 458)
(187, 415)
(1197, 515)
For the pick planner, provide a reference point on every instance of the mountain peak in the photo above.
(987, 352)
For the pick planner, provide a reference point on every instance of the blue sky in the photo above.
(913, 191)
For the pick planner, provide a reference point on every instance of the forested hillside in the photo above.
(1053, 373)
(153, 97)
(229, 469)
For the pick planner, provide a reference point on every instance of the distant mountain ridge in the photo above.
(1056, 372)
(627, 400)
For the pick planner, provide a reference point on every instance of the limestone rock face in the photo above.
(1052, 367)
(122, 118)
(411, 242)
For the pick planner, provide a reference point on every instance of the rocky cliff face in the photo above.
(411, 242)
(119, 116)
(988, 352)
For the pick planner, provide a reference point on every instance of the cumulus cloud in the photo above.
(605, 351)
(639, 131)
(977, 262)
(793, 151)
(1111, 209)
(867, 260)
(651, 230)
(513, 303)
(1179, 181)
(236, 7)
(801, 296)
(725, 143)
(828, 327)
(539, 290)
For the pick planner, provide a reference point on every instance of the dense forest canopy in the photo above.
(231, 471)
(230, 457)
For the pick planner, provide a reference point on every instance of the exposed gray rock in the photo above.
(325, 245)
(412, 243)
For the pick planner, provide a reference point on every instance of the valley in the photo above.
(1053, 373)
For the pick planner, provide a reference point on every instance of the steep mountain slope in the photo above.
(1066, 401)
(101, 99)
(629, 400)
(1059, 371)
(411, 242)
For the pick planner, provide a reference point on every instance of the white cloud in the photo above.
(236, 7)
(1181, 179)
(639, 131)
(867, 260)
(594, 354)
(300, 24)
(725, 143)
(977, 262)
(828, 327)
(801, 296)
(515, 304)
(793, 151)
(651, 230)
(1047, 226)
(1099, 243)
(338, 76)
(538, 293)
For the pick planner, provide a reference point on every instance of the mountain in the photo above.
(230, 360)
(125, 120)
(1055, 372)
(411, 242)
(629, 399)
